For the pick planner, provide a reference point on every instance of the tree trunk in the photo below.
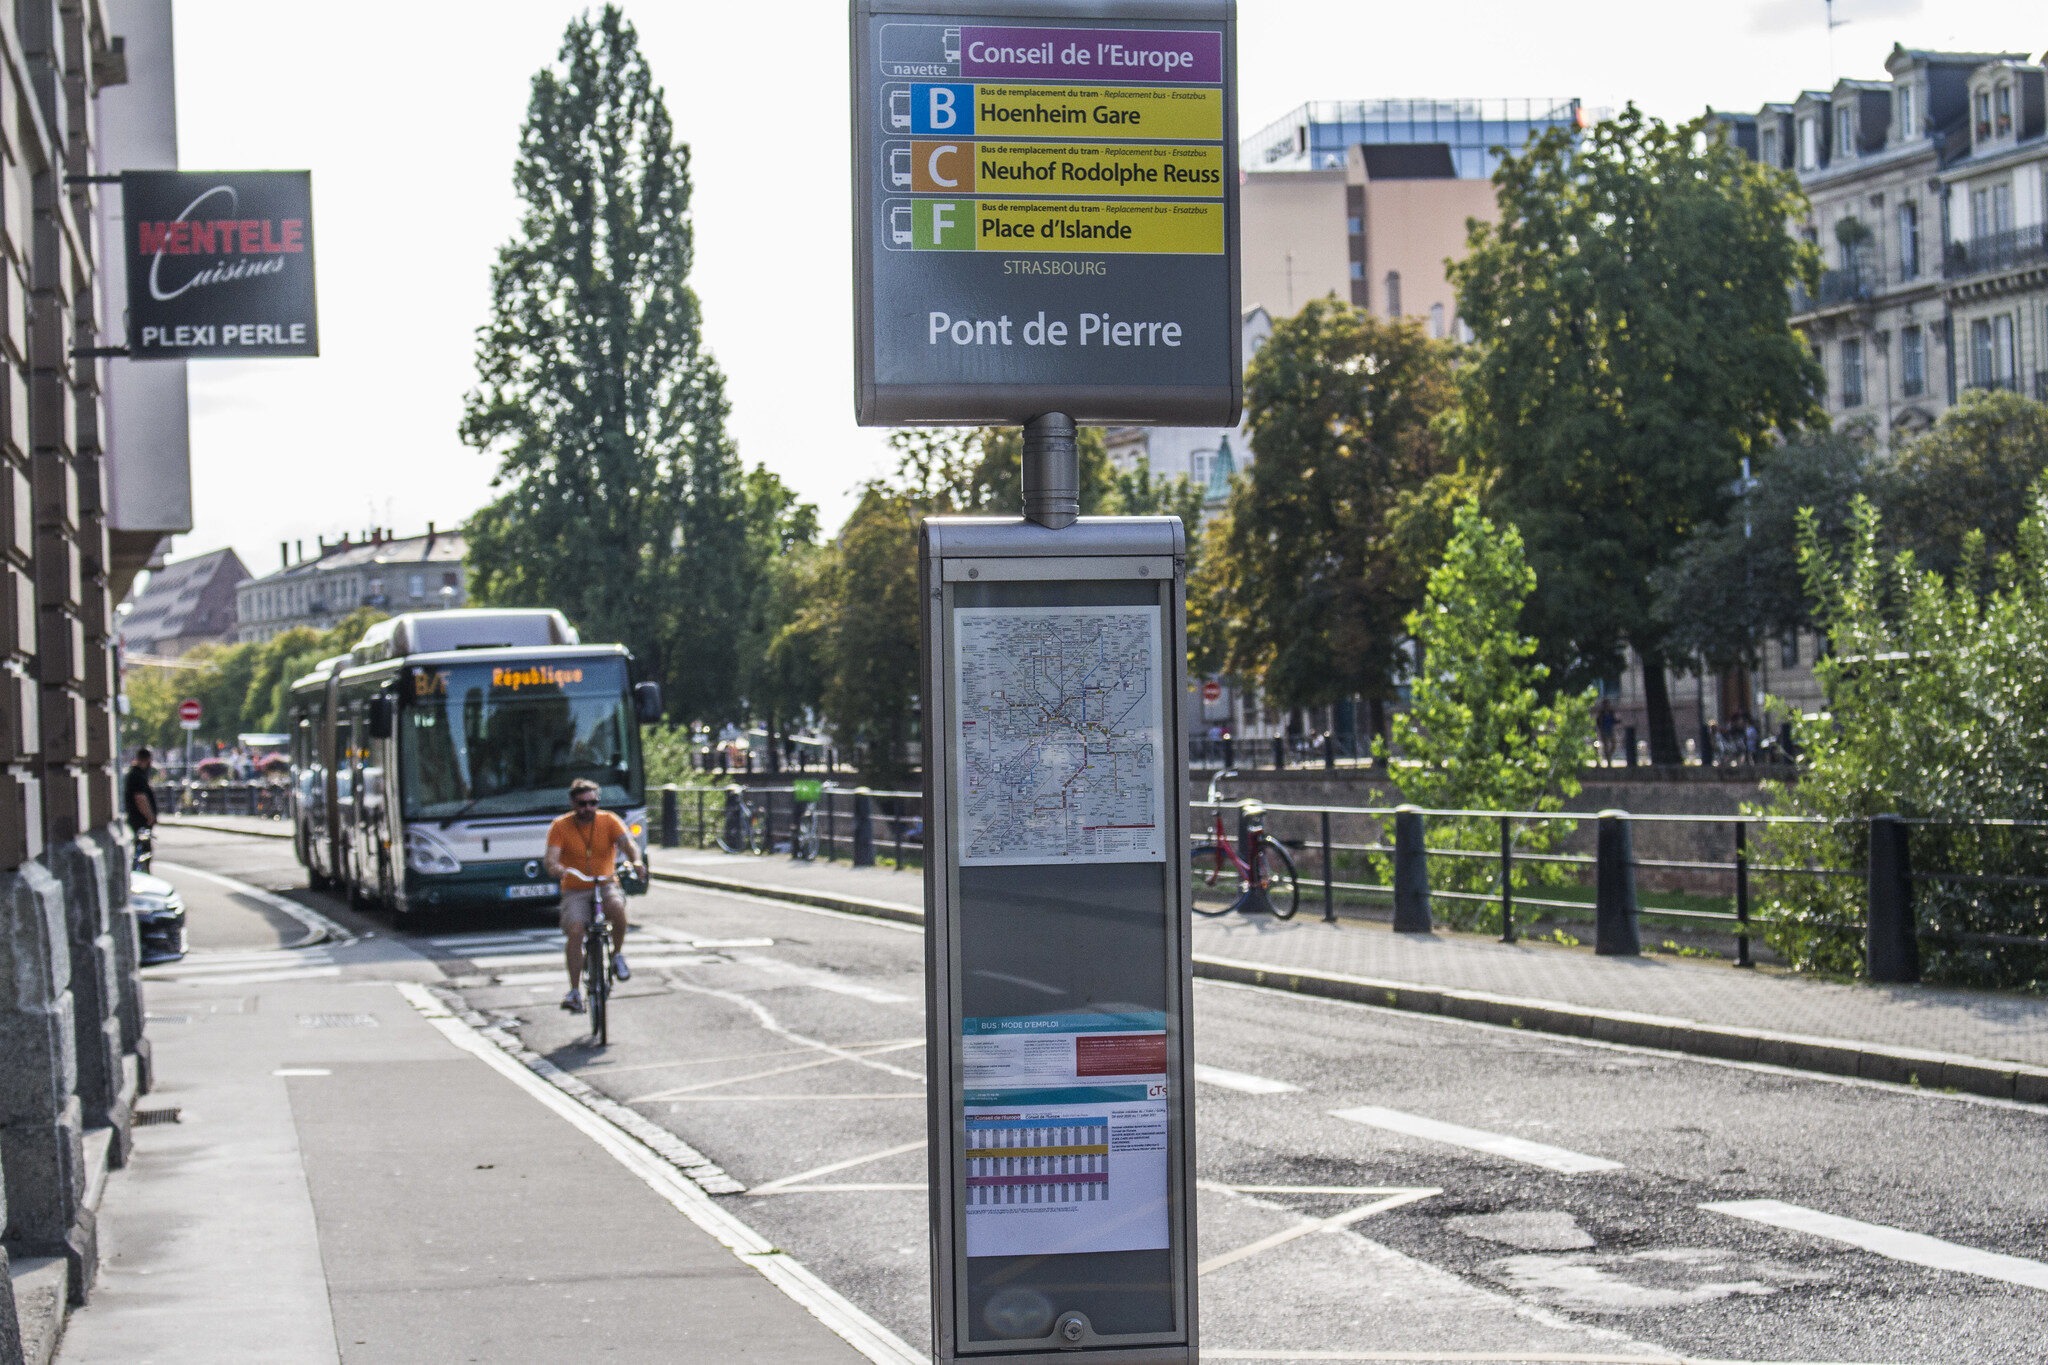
(774, 745)
(1664, 748)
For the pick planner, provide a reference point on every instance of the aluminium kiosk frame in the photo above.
(1136, 561)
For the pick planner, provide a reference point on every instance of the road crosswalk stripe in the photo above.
(1241, 1080)
(189, 968)
(1478, 1140)
(252, 978)
(1895, 1244)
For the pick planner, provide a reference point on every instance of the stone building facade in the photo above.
(72, 1054)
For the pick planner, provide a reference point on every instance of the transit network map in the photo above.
(1060, 753)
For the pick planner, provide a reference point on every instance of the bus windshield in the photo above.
(508, 738)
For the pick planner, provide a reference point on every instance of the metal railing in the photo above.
(266, 799)
(1996, 251)
(1369, 860)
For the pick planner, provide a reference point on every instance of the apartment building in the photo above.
(1928, 192)
(376, 569)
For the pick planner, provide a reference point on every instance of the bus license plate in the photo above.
(529, 889)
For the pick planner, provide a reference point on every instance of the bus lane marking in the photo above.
(1478, 1140)
(1894, 1244)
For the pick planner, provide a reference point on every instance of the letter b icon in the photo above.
(945, 110)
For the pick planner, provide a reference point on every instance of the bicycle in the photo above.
(809, 795)
(1265, 877)
(742, 829)
(597, 960)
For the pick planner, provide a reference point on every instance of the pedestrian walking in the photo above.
(138, 804)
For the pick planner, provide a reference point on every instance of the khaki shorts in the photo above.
(579, 904)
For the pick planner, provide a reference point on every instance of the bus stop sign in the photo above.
(1045, 211)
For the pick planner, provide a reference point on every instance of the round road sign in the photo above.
(1212, 691)
(189, 712)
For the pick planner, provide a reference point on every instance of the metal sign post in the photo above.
(1045, 233)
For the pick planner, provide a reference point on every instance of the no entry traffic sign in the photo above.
(1045, 212)
(1212, 691)
(189, 712)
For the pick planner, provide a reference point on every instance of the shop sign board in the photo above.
(220, 264)
(1045, 211)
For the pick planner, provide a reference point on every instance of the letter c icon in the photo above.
(931, 165)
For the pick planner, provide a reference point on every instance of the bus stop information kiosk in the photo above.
(1045, 233)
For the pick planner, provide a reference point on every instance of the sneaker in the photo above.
(620, 969)
(573, 1002)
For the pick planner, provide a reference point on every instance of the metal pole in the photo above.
(700, 817)
(831, 849)
(896, 824)
(1411, 873)
(1052, 471)
(1742, 958)
(1507, 880)
(1329, 891)
(1891, 943)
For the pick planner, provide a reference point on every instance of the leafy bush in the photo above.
(1478, 734)
(1937, 708)
(669, 755)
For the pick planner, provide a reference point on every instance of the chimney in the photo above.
(299, 551)
(323, 544)
(284, 554)
(430, 530)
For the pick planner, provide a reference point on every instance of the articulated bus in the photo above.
(428, 761)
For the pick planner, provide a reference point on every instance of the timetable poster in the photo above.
(1065, 1133)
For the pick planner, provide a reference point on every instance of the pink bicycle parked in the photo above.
(1252, 872)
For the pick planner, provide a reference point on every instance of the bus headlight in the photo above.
(424, 852)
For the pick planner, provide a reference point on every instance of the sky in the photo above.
(408, 118)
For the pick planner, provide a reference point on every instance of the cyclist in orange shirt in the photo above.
(589, 841)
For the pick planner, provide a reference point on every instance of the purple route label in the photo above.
(1119, 55)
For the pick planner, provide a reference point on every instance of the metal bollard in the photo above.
(1279, 753)
(1330, 751)
(1706, 746)
(1329, 876)
(1507, 879)
(1229, 752)
(701, 794)
(863, 828)
(671, 818)
(1891, 941)
(733, 819)
(826, 835)
(1411, 873)
(1615, 933)
(1628, 746)
(1742, 957)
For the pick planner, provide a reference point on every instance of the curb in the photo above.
(1862, 1061)
(181, 822)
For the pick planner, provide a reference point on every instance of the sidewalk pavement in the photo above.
(1980, 1042)
(353, 1176)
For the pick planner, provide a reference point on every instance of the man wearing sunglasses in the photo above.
(590, 841)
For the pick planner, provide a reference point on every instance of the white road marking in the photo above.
(678, 1091)
(1478, 1140)
(483, 942)
(784, 1271)
(871, 1188)
(823, 980)
(317, 925)
(302, 1071)
(252, 978)
(1241, 1080)
(1895, 1244)
(766, 1018)
(1391, 1198)
(834, 1167)
(170, 971)
(709, 944)
(917, 1095)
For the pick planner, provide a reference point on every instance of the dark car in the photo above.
(159, 918)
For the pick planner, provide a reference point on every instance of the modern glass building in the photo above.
(1319, 135)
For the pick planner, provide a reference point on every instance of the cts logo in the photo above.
(942, 110)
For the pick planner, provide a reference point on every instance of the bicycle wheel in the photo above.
(1213, 874)
(738, 832)
(597, 969)
(1283, 888)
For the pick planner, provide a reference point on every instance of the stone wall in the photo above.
(71, 1046)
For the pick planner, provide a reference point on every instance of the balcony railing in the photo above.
(1996, 251)
(1838, 287)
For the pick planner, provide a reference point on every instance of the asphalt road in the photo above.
(1538, 1197)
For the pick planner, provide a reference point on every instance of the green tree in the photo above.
(1937, 701)
(862, 629)
(1306, 576)
(1631, 306)
(1975, 471)
(1736, 582)
(980, 470)
(1479, 733)
(781, 679)
(621, 499)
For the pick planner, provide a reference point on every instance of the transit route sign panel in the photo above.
(1045, 212)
